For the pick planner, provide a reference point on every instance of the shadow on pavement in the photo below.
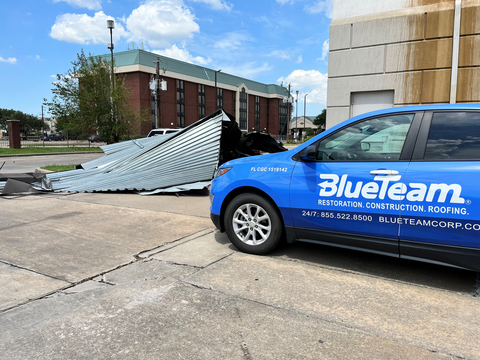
(408, 271)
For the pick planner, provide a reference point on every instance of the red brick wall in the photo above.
(263, 113)
(274, 116)
(228, 101)
(168, 111)
(209, 99)
(191, 103)
(138, 84)
(14, 134)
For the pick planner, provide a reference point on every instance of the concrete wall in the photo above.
(401, 45)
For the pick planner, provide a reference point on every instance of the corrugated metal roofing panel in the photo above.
(188, 156)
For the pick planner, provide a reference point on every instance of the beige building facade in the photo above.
(386, 53)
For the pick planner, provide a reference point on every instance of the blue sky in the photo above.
(271, 41)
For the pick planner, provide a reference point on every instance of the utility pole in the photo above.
(288, 111)
(296, 119)
(304, 113)
(43, 130)
(156, 89)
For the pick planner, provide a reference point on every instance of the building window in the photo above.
(180, 103)
(219, 98)
(257, 113)
(283, 120)
(243, 109)
(201, 101)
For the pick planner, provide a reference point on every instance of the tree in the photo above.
(86, 101)
(28, 123)
(320, 120)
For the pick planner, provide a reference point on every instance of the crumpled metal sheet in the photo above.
(12, 186)
(173, 189)
(188, 156)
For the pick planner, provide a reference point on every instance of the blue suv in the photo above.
(402, 182)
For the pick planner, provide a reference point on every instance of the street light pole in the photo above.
(111, 26)
(216, 95)
(304, 113)
(296, 116)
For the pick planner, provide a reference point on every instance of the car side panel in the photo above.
(272, 178)
(446, 226)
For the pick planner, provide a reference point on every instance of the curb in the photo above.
(43, 171)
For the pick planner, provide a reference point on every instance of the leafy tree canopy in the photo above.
(320, 120)
(28, 123)
(86, 100)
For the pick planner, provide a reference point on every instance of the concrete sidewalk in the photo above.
(118, 275)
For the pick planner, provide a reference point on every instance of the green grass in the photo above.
(46, 150)
(58, 167)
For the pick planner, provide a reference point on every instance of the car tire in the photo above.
(253, 224)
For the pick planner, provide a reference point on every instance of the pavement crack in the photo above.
(198, 286)
(243, 344)
(176, 243)
(35, 272)
(246, 352)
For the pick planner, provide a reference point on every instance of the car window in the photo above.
(454, 136)
(171, 131)
(375, 139)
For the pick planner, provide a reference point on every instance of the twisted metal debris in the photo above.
(189, 156)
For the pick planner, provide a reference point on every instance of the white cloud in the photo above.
(248, 70)
(162, 21)
(312, 82)
(217, 4)
(84, 29)
(324, 6)
(37, 57)
(280, 54)
(183, 55)
(264, 19)
(299, 59)
(232, 41)
(8, 60)
(283, 2)
(89, 4)
(325, 48)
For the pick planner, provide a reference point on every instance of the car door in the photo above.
(440, 216)
(346, 188)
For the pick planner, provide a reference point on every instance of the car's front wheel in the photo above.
(253, 224)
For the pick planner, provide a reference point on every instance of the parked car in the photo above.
(158, 132)
(401, 182)
(95, 138)
(56, 137)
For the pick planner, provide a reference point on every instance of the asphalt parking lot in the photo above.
(119, 275)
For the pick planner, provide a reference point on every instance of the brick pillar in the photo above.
(14, 134)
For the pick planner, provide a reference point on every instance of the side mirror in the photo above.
(309, 153)
(365, 146)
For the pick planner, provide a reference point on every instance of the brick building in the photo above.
(190, 94)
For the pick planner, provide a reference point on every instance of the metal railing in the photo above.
(38, 141)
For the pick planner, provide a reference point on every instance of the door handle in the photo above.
(384, 172)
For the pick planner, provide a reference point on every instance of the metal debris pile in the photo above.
(182, 161)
